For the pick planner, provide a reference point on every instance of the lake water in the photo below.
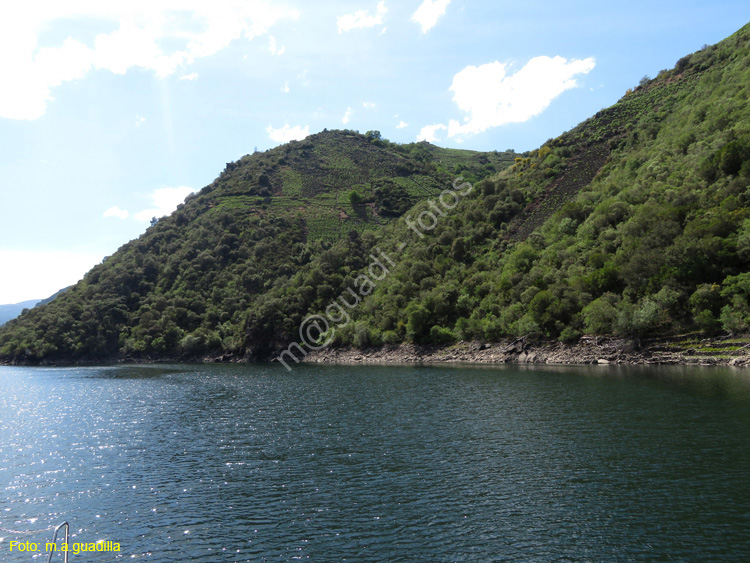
(387, 464)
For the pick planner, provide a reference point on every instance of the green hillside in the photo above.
(185, 287)
(635, 223)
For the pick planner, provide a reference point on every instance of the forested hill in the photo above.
(634, 223)
(184, 288)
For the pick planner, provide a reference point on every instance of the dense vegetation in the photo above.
(634, 223)
(186, 287)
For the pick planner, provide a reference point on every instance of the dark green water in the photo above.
(366, 464)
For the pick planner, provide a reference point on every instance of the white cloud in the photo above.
(192, 29)
(490, 97)
(41, 274)
(362, 19)
(368, 105)
(347, 116)
(429, 12)
(286, 133)
(164, 201)
(273, 48)
(429, 132)
(139, 120)
(116, 212)
(285, 87)
(402, 124)
(191, 76)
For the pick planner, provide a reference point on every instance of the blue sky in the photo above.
(112, 112)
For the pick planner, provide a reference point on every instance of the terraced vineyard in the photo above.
(313, 180)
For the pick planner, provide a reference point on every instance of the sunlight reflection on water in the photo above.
(249, 463)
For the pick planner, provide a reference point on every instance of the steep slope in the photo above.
(183, 288)
(635, 223)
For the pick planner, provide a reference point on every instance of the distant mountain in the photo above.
(8, 312)
(55, 296)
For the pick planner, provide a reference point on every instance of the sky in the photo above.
(111, 113)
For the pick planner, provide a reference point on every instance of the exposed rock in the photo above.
(589, 350)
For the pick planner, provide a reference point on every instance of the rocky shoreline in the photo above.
(589, 350)
(678, 350)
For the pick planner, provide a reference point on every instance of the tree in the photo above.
(731, 158)
(418, 323)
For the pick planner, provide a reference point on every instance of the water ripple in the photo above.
(249, 463)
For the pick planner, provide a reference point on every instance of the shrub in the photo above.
(418, 323)
(600, 315)
(569, 335)
(441, 335)
(362, 337)
(733, 321)
(707, 169)
(707, 322)
(391, 337)
(684, 142)
(526, 326)
(731, 158)
(705, 303)
(735, 317)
